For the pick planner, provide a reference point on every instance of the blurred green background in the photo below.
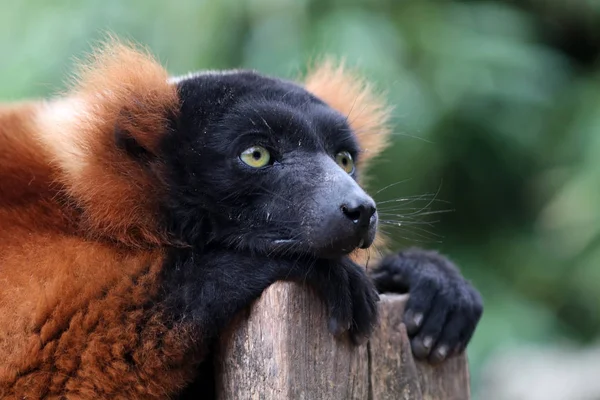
(497, 118)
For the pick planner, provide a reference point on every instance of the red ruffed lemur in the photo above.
(140, 213)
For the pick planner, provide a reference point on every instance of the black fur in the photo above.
(245, 228)
(210, 288)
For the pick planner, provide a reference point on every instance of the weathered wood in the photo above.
(283, 350)
(393, 372)
(447, 381)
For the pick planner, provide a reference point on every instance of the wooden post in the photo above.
(283, 350)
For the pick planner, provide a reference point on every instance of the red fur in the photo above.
(81, 248)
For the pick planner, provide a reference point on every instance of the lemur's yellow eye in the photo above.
(344, 160)
(256, 156)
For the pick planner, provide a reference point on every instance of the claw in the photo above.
(419, 349)
(412, 321)
(428, 342)
(439, 354)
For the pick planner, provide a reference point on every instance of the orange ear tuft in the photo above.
(122, 88)
(367, 113)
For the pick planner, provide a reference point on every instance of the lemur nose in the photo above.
(359, 211)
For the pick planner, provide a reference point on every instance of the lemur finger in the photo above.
(419, 303)
(432, 326)
(450, 340)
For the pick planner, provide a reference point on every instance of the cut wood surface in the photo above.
(281, 349)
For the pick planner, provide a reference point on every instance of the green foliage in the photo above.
(497, 118)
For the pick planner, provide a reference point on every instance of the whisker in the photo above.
(411, 199)
(390, 185)
(350, 112)
(423, 213)
(426, 207)
(415, 212)
(407, 223)
(415, 229)
(413, 240)
(412, 137)
(396, 209)
(263, 120)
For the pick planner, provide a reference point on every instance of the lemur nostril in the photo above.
(353, 214)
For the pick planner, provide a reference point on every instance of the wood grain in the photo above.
(393, 373)
(281, 349)
(448, 381)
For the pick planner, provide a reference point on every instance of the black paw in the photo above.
(350, 296)
(443, 309)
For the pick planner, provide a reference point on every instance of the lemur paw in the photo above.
(443, 309)
(351, 299)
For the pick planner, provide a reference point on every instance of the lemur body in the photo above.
(139, 214)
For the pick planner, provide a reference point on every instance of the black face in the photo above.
(260, 164)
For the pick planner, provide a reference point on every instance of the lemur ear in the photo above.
(135, 133)
(116, 112)
(127, 142)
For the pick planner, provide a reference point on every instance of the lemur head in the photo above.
(235, 159)
(261, 164)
